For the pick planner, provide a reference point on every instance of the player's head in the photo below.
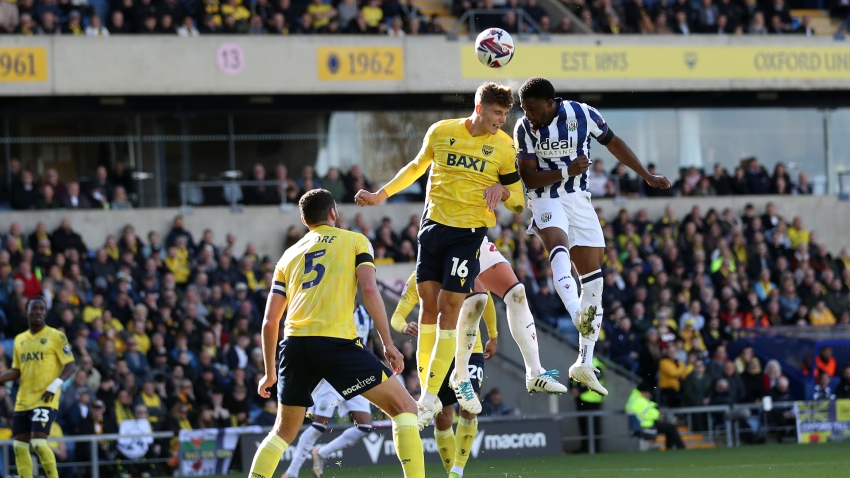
(492, 104)
(36, 310)
(537, 100)
(317, 208)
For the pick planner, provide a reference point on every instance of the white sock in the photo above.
(458, 470)
(523, 330)
(305, 447)
(348, 438)
(467, 331)
(591, 294)
(565, 283)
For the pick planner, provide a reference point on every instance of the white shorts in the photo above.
(573, 213)
(326, 398)
(489, 255)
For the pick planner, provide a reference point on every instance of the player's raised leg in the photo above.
(467, 333)
(501, 280)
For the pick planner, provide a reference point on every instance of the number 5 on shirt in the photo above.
(309, 267)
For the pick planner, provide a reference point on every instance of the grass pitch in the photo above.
(773, 461)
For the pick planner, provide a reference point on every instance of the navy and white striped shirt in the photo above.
(558, 144)
(363, 323)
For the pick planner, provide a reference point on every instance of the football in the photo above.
(494, 47)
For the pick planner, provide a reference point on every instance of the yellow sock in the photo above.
(45, 456)
(427, 339)
(23, 459)
(408, 445)
(466, 431)
(446, 446)
(441, 359)
(268, 456)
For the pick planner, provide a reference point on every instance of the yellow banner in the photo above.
(19, 64)
(360, 63)
(665, 62)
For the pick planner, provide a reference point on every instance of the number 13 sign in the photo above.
(230, 59)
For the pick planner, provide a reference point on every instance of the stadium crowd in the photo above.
(394, 17)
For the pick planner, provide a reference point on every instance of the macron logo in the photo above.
(357, 386)
(373, 443)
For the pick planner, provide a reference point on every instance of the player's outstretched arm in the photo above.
(625, 155)
(275, 307)
(375, 306)
(11, 374)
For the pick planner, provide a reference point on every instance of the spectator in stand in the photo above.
(802, 186)
(492, 404)
(757, 27)
(373, 14)
(671, 372)
(25, 194)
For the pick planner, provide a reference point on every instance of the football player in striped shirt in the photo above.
(553, 143)
(473, 168)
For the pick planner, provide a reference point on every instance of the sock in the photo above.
(466, 431)
(565, 283)
(304, 446)
(591, 294)
(446, 446)
(23, 459)
(268, 456)
(348, 438)
(425, 346)
(467, 333)
(45, 456)
(523, 330)
(441, 360)
(408, 445)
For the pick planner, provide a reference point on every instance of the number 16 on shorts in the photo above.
(459, 268)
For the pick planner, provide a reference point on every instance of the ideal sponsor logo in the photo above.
(555, 149)
(357, 386)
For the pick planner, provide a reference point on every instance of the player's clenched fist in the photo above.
(578, 166)
(365, 198)
(266, 383)
(394, 357)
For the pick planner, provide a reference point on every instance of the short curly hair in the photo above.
(537, 88)
(315, 206)
(490, 93)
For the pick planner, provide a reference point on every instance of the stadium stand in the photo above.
(409, 17)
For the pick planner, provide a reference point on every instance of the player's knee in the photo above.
(40, 446)
(474, 306)
(401, 403)
(516, 295)
(443, 420)
(467, 415)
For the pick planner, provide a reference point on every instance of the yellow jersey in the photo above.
(315, 11)
(462, 167)
(410, 297)
(40, 358)
(317, 276)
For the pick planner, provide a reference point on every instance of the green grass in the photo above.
(773, 461)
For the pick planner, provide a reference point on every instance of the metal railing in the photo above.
(522, 19)
(96, 461)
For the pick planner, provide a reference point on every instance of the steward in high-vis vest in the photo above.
(586, 401)
(646, 411)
